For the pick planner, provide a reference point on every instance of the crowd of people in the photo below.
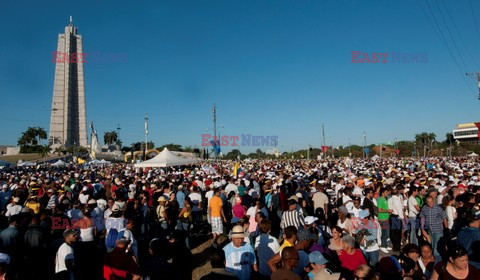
(389, 218)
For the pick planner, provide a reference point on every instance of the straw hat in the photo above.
(237, 232)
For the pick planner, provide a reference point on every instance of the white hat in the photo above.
(310, 220)
(237, 232)
(16, 199)
(92, 201)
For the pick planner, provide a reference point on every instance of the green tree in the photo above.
(233, 154)
(138, 146)
(40, 133)
(449, 138)
(110, 137)
(171, 147)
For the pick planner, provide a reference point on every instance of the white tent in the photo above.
(27, 163)
(473, 154)
(59, 163)
(166, 158)
(99, 162)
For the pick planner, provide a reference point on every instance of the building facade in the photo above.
(466, 132)
(68, 124)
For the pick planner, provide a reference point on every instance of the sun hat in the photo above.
(237, 232)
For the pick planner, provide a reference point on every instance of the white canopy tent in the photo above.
(473, 154)
(27, 163)
(166, 158)
(99, 162)
(59, 163)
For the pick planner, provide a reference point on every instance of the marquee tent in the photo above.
(166, 158)
(27, 163)
(59, 163)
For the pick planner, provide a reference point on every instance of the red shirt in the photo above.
(351, 262)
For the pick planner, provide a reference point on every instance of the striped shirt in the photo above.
(292, 218)
(434, 217)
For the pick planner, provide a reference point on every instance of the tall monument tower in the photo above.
(68, 124)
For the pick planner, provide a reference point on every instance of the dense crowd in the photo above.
(392, 218)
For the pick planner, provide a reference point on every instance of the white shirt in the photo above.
(209, 196)
(451, 212)
(65, 252)
(231, 187)
(395, 203)
(13, 210)
(106, 213)
(196, 198)
(412, 211)
(83, 198)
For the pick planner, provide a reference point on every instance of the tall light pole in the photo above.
(324, 142)
(146, 135)
(364, 143)
(118, 133)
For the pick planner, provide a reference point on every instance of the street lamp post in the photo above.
(146, 136)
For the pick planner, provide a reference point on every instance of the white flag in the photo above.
(146, 128)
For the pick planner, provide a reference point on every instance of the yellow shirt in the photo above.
(285, 244)
(35, 206)
(216, 206)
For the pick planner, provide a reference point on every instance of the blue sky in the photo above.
(272, 67)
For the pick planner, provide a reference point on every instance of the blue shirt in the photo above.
(467, 236)
(434, 217)
(240, 260)
(181, 199)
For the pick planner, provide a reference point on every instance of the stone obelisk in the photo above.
(68, 124)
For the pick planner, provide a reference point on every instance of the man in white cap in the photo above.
(14, 208)
(239, 255)
(64, 260)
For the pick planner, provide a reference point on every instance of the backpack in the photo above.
(324, 237)
(110, 241)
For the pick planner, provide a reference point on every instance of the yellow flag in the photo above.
(235, 169)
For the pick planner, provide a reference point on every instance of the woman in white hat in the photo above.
(162, 216)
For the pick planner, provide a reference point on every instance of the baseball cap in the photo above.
(70, 231)
(317, 258)
(363, 214)
(310, 220)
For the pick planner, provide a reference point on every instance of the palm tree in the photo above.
(110, 137)
(41, 133)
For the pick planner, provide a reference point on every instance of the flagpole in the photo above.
(324, 142)
(364, 144)
(146, 136)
